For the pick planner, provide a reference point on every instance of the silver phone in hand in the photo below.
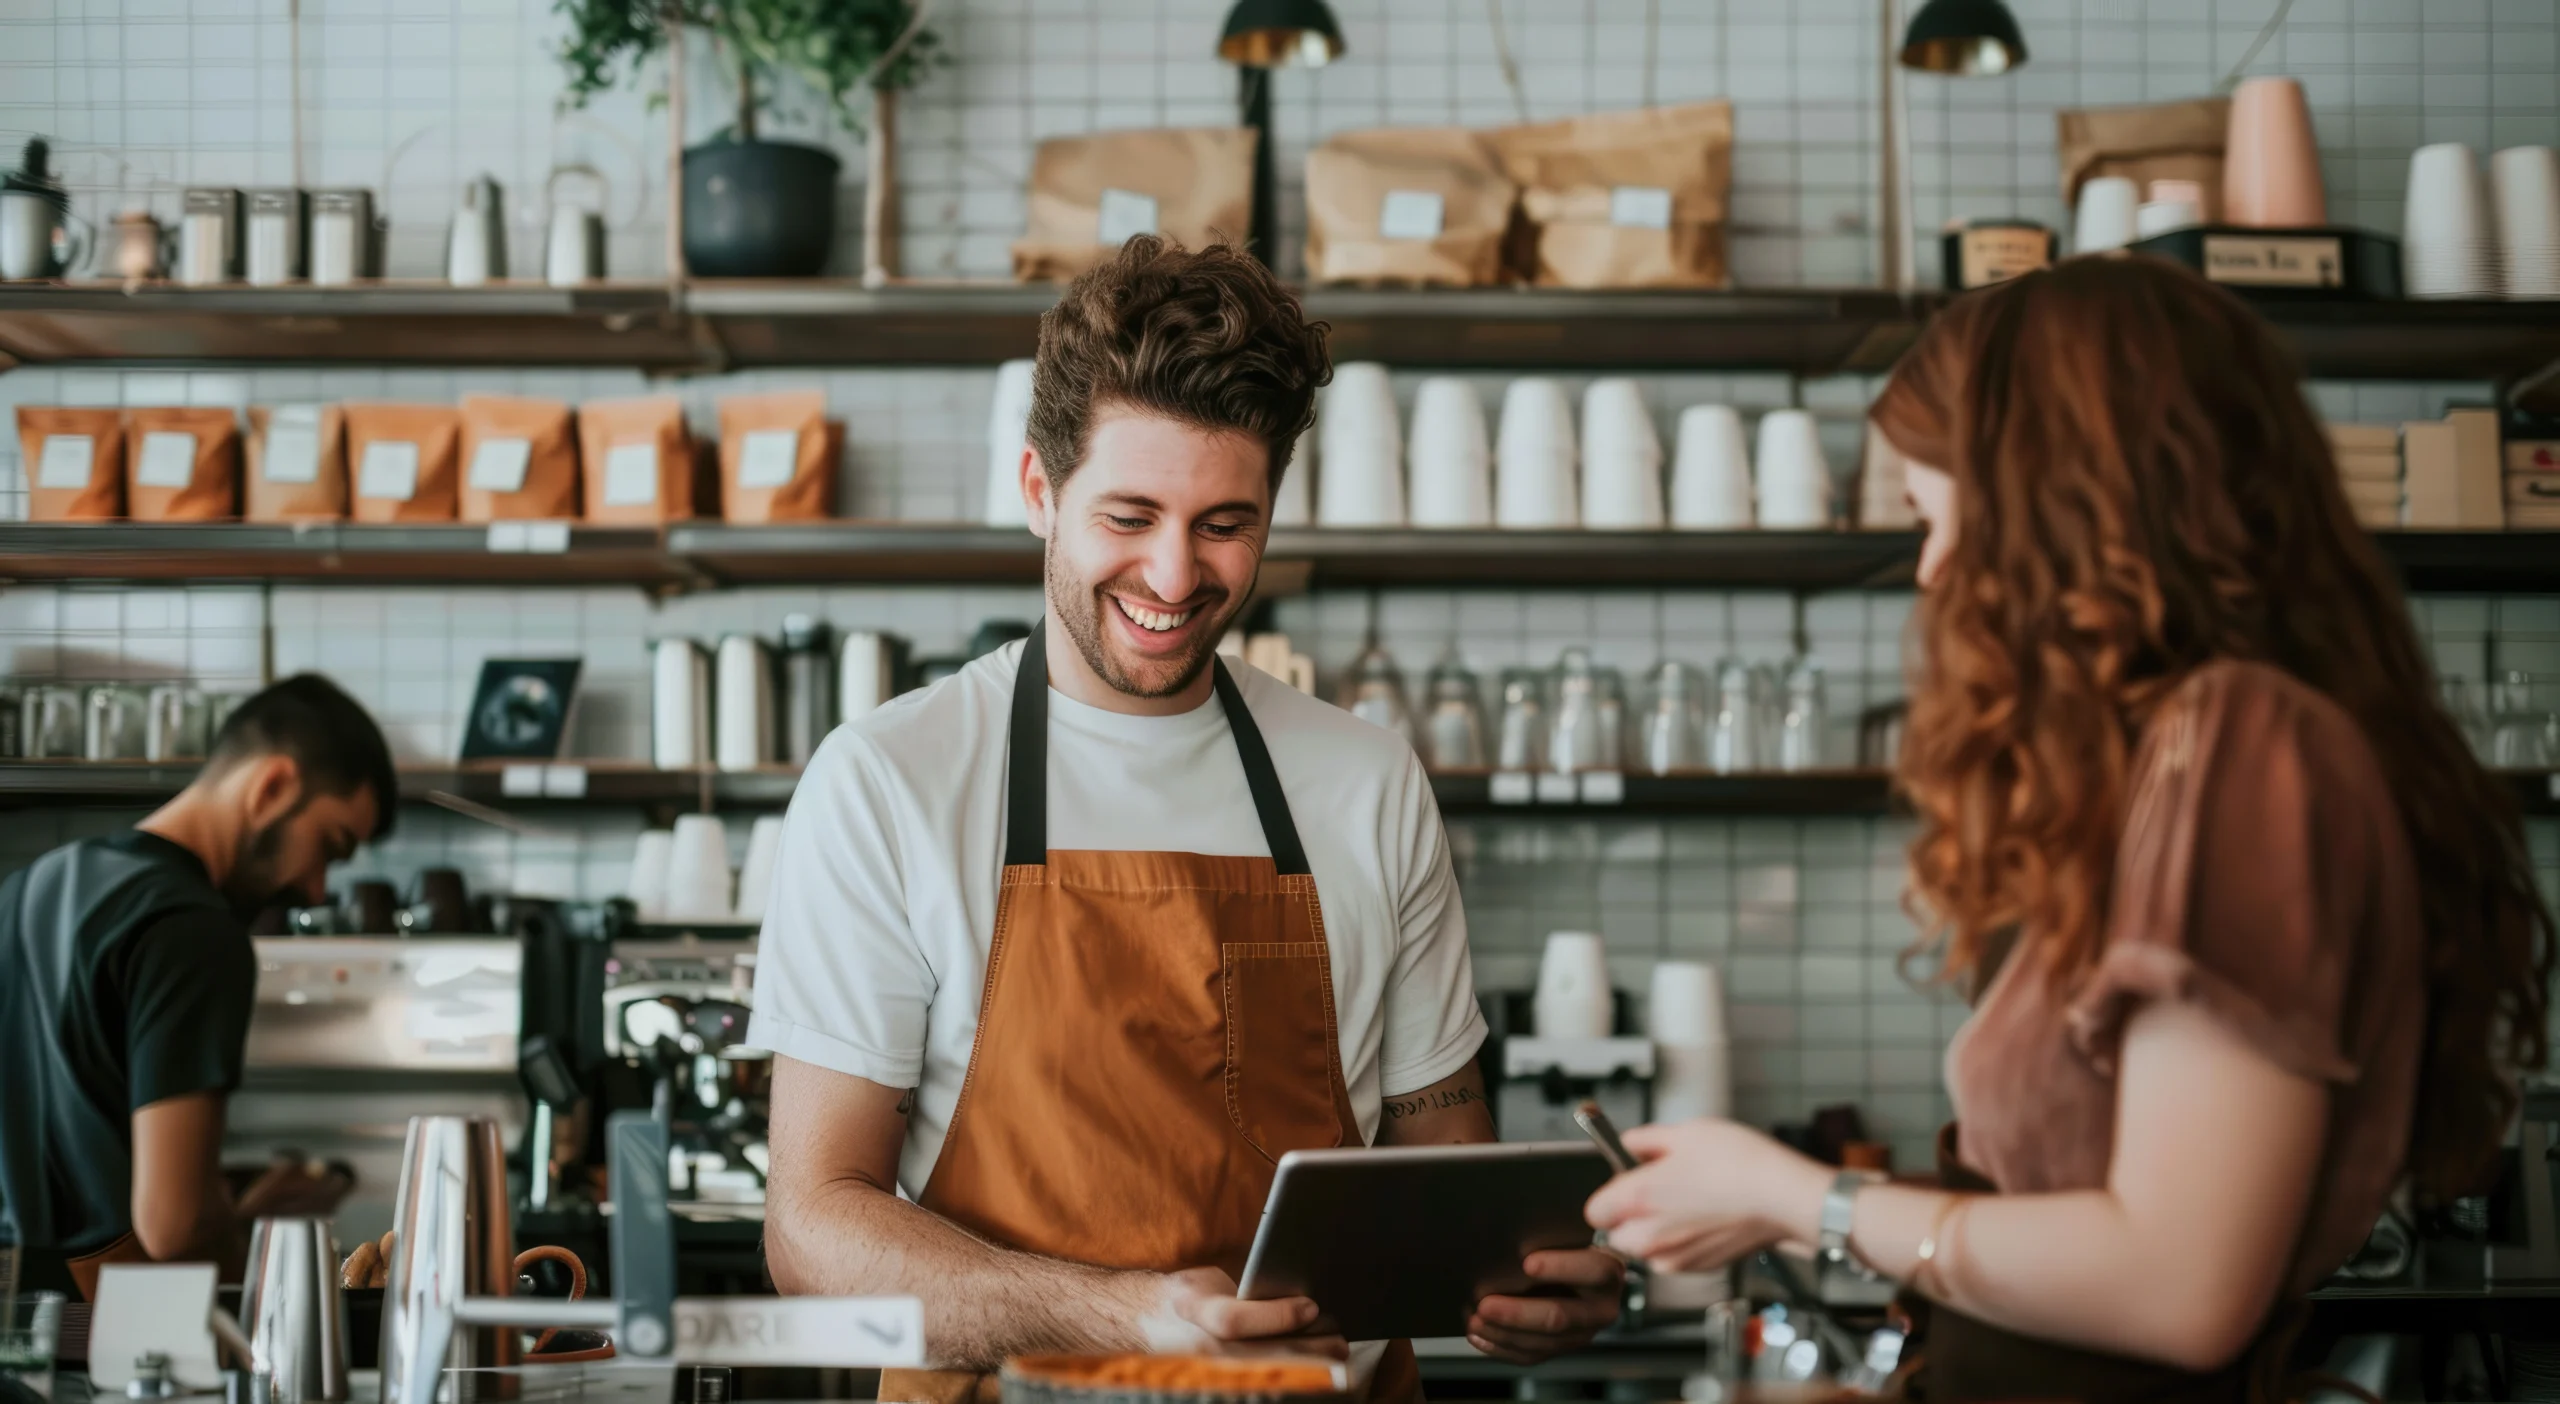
(1595, 1124)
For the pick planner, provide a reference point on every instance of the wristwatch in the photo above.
(1840, 1211)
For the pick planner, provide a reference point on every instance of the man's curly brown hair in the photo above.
(1205, 337)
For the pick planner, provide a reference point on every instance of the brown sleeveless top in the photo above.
(2264, 876)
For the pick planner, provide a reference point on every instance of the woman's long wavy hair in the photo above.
(2141, 489)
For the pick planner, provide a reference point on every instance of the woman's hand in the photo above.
(1709, 1192)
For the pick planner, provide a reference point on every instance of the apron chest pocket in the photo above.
(1280, 1045)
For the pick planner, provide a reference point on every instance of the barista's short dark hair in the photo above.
(328, 734)
(1209, 338)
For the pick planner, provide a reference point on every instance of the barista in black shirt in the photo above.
(127, 979)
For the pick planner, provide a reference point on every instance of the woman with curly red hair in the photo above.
(2252, 939)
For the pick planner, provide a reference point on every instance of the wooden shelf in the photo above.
(723, 325)
(330, 551)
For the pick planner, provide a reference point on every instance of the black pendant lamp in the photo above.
(1261, 35)
(1973, 38)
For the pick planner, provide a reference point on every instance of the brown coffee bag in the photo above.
(778, 457)
(182, 465)
(402, 462)
(519, 459)
(1090, 193)
(639, 461)
(74, 463)
(297, 470)
(1406, 205)
(1624, 199)
(2155, 141)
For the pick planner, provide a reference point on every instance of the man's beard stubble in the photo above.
(253, 883)
(1080, 605)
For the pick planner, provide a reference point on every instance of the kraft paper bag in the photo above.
(778, 456)
(297, 464)
(1412, 206)
(1089, 194)
(74, 463)
(1624, 199)
(2154, 141)
(639, 461)
(182, 464)
(519, 460)
(402, 459)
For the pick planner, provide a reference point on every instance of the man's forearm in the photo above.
(982, 1303)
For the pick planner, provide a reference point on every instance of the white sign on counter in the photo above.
(862, 1332)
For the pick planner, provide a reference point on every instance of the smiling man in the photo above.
(1073, 946)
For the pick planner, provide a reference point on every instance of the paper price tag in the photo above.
(1603, 787)
(1512, 787)
(506, 538)
(293, 453)
(66, 461)
(1640, 207)
(631, 475)
(499, 465)
(1558, 789)
(1410, 214)
(521, 782)
(389, 471)
(1123, 215)
(546, 538)
(564, 781)
(168, 460)
(768, 457)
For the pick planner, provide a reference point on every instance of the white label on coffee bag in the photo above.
(1640, 207)
(768, 458)
(1124, 214)
(631, 475)
(1409, 214)
(390, 470)
(293, 452)
(168, 460)
(66, 461)
(498, 465)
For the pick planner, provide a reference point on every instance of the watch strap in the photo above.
(1840, 1210)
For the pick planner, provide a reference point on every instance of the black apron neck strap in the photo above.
(1026, 787)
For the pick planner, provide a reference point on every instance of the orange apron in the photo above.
(1157, 1031)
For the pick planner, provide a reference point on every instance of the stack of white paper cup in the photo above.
(2447, 247)
(755, 878)
(1621, 459)
(650, 859)
(1451, 464)
(1008, 421)
(2526, 184)
(1535, 487)
(863, 674)
(1693, 1049)
(1794, 477)
(1573, 998)
(2105, 218)
(1294, 504)
(698, 870)
(1711, 471)
(1363, 450)
(679, 705)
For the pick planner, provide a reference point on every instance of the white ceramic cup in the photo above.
(680, 705)
(1535, 485)
(755, 876)
(1294, 504)
(1363, 448)
(650, 859)
(1573, 996)
(2155, 217)
(1794, 478)
(1008, 419)
(1692, 1042)
(2105, 219)
(2445, 243)
(863, 678)
(1711, 471)
(744, 682)
(1621, 459)
(2525, 186)
(1450, 461)
(698, 879)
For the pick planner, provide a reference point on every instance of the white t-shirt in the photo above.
(874, 953)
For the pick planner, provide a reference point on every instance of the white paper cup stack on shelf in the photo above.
(679, 705)
(1795, 478)
(650, 859)
(1535, 485)
(1621, 459)
(2448, 247)
(755, 877)
(1573, 997)
(1294, 504)
(1448, 457)
(864, 671)
(1711, 471)
(2525, 182)
(746, 714)
(1008, 421)
(698, 879)
(1693, 1046)
(2105, 217)
(1363, 450)
(2368, 457)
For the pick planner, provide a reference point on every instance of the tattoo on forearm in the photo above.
(1398, 1108)
(907, 1103)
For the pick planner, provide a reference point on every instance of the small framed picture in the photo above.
(522, 708)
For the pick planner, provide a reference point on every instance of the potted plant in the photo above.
(755, 208)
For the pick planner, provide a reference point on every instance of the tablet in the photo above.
(1403, 1241)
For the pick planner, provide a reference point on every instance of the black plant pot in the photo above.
(758, 209)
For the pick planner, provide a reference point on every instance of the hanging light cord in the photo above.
(2274, 23)
(1502, 56)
